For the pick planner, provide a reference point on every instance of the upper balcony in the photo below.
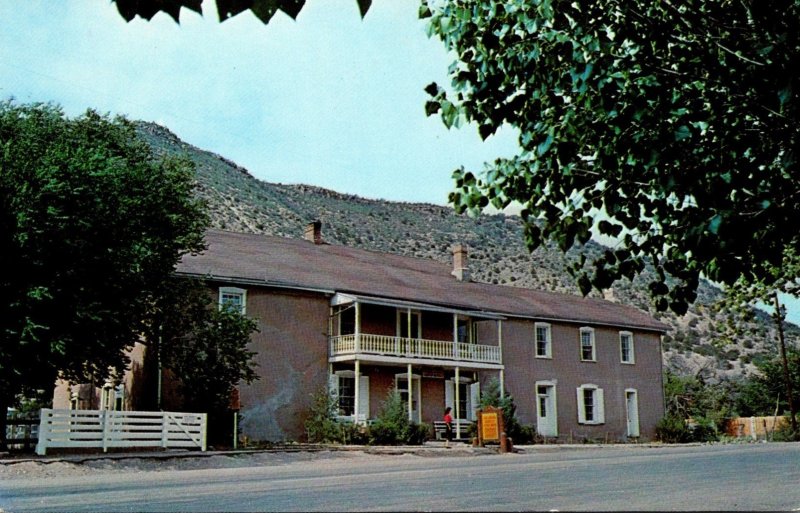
(364, 345)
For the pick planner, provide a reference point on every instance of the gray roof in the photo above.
(297, 263)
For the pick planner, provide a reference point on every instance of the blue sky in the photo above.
(328, 99)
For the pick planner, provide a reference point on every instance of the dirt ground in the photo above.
(42, 469)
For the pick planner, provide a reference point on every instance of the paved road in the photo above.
(720, 477)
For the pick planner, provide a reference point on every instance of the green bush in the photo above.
(392, 426)
(321, 425)
(784, 432)
(672, 429)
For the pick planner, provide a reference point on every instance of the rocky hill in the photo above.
(240, 202)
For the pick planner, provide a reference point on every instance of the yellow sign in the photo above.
(490, 427)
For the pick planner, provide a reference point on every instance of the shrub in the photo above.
(784, 433)
(321, 425)
(392, 426)
(672, 429)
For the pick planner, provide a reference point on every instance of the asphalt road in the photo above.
(718, 477)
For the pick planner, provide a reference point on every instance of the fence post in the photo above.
(203, 430)
(165, 419)
(44, 431)
(104, 418)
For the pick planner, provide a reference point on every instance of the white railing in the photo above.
(413, 348)
(107, 428)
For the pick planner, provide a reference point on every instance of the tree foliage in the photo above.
(262, 9)
(669, 125)
(207, 352)
(91, 227)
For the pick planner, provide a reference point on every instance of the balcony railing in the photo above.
(413, 348)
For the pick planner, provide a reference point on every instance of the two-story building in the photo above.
(362, 322)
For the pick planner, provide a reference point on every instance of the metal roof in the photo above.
(299, 264)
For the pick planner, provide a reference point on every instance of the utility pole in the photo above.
(790, 396)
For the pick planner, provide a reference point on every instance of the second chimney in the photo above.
(460, 267)
(313, 232)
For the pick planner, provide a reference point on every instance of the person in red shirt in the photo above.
(448, 427)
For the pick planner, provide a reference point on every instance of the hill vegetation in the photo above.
(240, 202)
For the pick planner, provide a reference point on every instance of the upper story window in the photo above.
(587, 345)
(347, 321)
(466, 331)
(232, 297)
(409, 324)
(591, 407)
(543, 340)
(626, 347)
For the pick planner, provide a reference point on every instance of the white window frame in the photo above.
(631, 353)
(363, 400)
(598, 404)
(233, 291)
(548, 353)
(590, 331)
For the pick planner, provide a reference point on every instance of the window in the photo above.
(347, 321)
(347, 395)
(342, 386)
(232, 297)
(466, 331)
(587, 345)
(590, 405)
(543, 345)
(626, 347)
(403, 324)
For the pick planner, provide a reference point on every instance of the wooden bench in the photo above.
(439, 429)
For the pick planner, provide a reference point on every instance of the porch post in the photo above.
(357, 398)
(458, 401)
(500, 347)
(455, 336)
(408, 346)
(358, 328)
(410, 388)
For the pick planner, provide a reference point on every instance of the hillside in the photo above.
(239, 202)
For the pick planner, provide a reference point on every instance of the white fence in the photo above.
(108, 428)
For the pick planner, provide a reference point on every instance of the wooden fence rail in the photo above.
(107, 428)
(22, 430)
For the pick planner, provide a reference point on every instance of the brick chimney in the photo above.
(460, 266)
(313, 232)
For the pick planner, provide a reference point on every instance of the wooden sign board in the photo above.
(490, 425)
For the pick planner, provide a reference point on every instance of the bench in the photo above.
(439, 429)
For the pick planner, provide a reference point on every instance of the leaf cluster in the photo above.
(668, 126)
(264, 10)
(91, 227)
(206, 348)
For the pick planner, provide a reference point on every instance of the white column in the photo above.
(408, 344)
(455, 336)
(410, 391)
(357, 398)
(358, 328)
(458, 401)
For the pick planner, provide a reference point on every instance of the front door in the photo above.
(401, 383)
(547, 420)
(632, 408)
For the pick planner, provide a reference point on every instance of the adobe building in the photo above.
(361, 322)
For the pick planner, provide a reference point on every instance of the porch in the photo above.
(365, 344)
